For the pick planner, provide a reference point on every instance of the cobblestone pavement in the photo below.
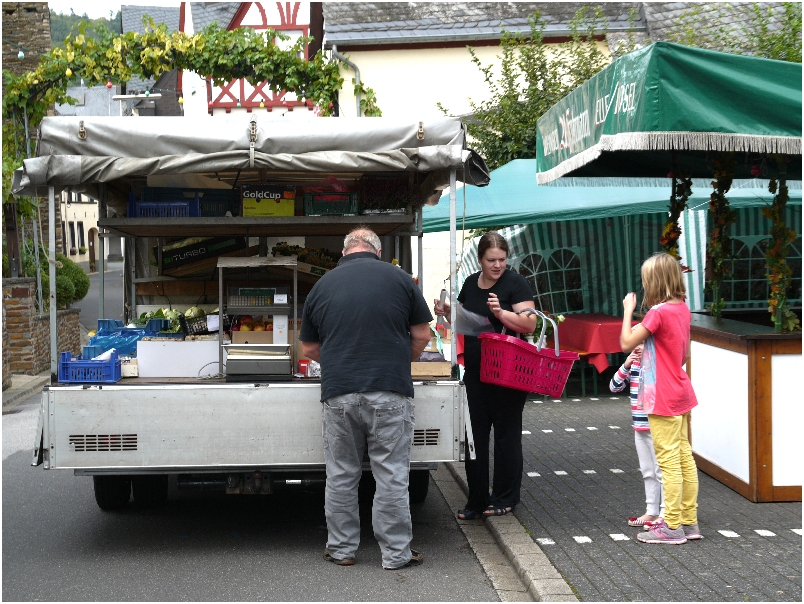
(581, 484)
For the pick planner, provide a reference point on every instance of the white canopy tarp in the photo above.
(75, 151)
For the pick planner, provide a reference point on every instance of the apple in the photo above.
(270, 327)
(245, 327)
(259, 327)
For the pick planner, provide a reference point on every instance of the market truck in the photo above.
(208, 209)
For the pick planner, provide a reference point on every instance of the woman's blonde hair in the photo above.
(662, 280)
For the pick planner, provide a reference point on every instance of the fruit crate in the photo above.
(212, 202)
(163, 209)
(198, 325)
(330, 204)
(81, 371)
(157, 325)
(110, 324)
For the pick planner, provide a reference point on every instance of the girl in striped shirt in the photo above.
(628, 374)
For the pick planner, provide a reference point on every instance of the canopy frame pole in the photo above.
(419, 236)
(51, 267)
(453, 344)
(101, 255)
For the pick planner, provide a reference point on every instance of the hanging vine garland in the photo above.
(779, 272)
(718, 251)
(682, 189)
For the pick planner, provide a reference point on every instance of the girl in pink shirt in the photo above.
(665, 393)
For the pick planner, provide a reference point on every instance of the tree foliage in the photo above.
(533, 76)
(62, 26)
(767, 30)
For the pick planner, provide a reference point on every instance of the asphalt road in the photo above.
(112, 298)
(59, 546)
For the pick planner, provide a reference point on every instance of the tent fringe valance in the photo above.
(573, 163)
(700, 141)
(666, 141)
(635, 181)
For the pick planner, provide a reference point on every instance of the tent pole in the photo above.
(101, 254)
(51, 268)
(452, 270)
(420, 259)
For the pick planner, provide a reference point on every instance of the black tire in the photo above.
(150, 491)
(112, 492)
(418, 485)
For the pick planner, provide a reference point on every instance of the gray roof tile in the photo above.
(132, 17)
(351, 22)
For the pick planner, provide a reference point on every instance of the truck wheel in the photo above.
(150, 491)
(418, 485)
(112, 492)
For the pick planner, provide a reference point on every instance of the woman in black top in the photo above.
(496, 293)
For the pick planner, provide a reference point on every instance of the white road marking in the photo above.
(729, 534)
(589, 472)
(614, 427)
(545, 541)
(547, 431)
(619, 537)
(582, 539)
(525, 431)
(569, 429)
(557, 400)
(594, 399)
(764, 533)
(576, 400)
(615, 398)
(616, 471)
(796, 531)
(534, 474)
(560, 473)
(591, 428)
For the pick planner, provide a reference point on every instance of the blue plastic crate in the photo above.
(110, 324)
(157, 324)
(90, 352)
(79, 371)
(213, 202)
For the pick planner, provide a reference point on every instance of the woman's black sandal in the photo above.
(469, 515)
(499, 510)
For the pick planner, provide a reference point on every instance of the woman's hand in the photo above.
(494, 305)
(441, 310)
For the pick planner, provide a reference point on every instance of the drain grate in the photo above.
(427, 437)
(103, 442)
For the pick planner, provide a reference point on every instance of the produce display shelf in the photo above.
(272, 309)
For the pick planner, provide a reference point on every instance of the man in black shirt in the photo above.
(365, 321)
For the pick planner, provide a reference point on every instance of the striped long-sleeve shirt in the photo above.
(631, 377)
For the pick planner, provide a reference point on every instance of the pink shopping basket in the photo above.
(508, 361)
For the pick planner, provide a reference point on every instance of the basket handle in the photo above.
(545, 318)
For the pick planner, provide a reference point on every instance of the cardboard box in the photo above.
(431, 369)
(267, 337)
(269, 200)
(128, 367)
(171, 358)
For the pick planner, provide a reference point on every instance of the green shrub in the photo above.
(65, 290)
(77, 276)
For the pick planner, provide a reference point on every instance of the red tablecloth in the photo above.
(596, 333)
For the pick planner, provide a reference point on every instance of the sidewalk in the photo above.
(23, 386)
(581, 483)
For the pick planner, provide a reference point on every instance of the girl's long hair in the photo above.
(662, 280)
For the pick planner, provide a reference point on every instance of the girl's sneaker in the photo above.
(691, 531)
(661, 533)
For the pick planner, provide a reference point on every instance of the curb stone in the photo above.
(542, 579)
(34, 385)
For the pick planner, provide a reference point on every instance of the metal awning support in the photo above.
(51, 268)
(452, 274)
(101, 254)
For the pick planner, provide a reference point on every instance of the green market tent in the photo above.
(667, 105)
(512, 197)
(603, 232)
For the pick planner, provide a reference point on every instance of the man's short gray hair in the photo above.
(362, 237)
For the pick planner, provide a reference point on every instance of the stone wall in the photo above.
(26, 25)
(28, 337)
(6, 354)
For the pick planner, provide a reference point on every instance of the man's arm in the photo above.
(312, 350)
(419, 339)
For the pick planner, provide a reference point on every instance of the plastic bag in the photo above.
(124, 339)
(470, 323)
